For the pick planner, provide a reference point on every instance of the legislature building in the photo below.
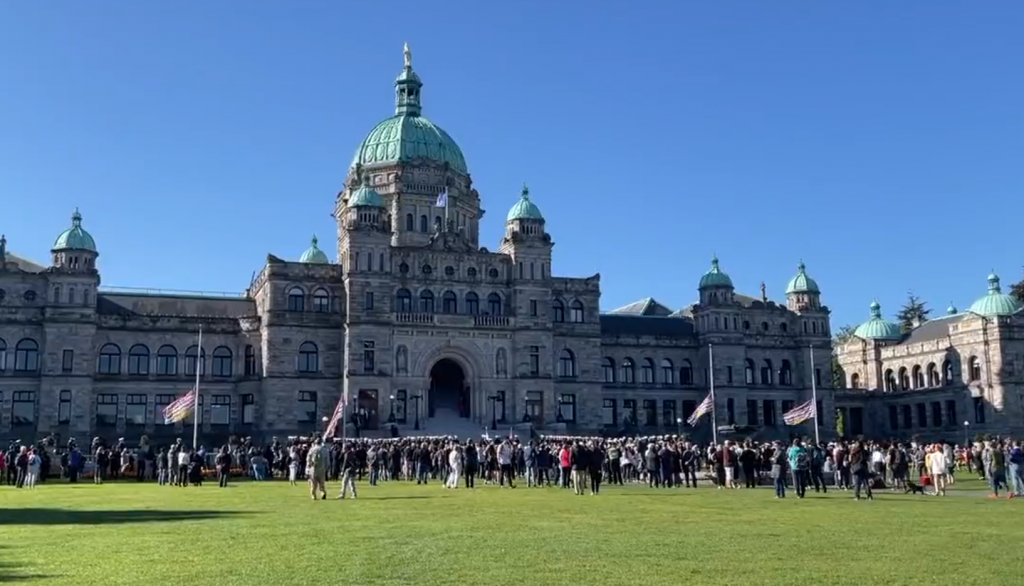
(416, 323)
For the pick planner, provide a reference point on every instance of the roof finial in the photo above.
(525, 194)
(315, 241)
(801, 267)
(3, 249)
(408, 56)
(714, 261)
(76, 218)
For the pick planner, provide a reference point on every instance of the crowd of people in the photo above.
(579, 464)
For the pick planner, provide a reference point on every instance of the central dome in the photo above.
(408, 136)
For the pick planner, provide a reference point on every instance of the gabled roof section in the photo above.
(933, 329)
(23, 263)
(648, 307)
(618, 324)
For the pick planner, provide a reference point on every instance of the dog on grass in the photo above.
(913, 488)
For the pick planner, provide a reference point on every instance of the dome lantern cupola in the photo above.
(877, 328)
(524, 217)
(715, 286)
(313, 254)
(407, 88)
(366, 207)
(75, 248)
(951, 310)
(996, 303)
(802, 292)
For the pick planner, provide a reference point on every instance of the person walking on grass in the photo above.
(800, 462)
(349, 466)
(937, 468)
(454, 466)
(859, 469)
(223, 463)
(780, 466)
(995, 467)
(1015, 458)
(316, 471)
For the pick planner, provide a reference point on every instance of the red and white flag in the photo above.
(704, 408)
(336, 418)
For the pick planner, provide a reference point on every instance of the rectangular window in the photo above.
(650, 413)
(817, 377)
(248, 409)
(752, 410)
(769, 412)
(23, 408)
(250, 361)
(730, 412)
(368, 304)
(629, 412)
(894, 417)
(608, 368)
(220, 410)
(135, 410)
(368, 355)
(64, 408)
(401, 406)
(534, 360)
(533, 308)
(535, 405)
(67, 361)
(951, 418)
(688, 408)
(161, 403)
(728, 374)
(307, 407)
(668, 413)
(856, 421)
(907, 416)
(922, 415)
(567, 406)
(936, 414)
(818, 410)
(609, 413)
(979, 409)
(106, 410)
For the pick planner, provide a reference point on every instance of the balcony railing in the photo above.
(415, 318)
(491, 321)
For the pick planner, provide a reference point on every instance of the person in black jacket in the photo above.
(471, 464)
(689, 465)
(595, 464)
(223, 463)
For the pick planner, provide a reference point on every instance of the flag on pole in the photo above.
(800, 413)
(702, 409)
(180, 408)
(442, 200)
(336, 417)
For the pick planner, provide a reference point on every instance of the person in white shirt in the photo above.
(505, 464)
(183, 459)
(455, 467)
(938, 468)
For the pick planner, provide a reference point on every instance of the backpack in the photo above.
(802, 461)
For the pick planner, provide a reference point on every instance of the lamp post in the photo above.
(493, 400)
(325, 419)
(967, 434)
(526, 410)
(679, 426)
(391, 417)
(416, 399)
(559, 418)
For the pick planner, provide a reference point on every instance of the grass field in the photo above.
(271, 533)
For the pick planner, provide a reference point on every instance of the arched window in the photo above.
(904, 379)
(746, 325)
(764, 326)
(410, 223)
(890, 380)
(786, 374)
(222, 361)
(784, 327)
(947, 372)
(26, 356)
(917, 376)
(426, 301)
(138, 360)
(974, 369)
(628, 371)
(608, 369)
(403, 301)
(576, 312)
(647, 371)
(558, 310)
(437, 223)
(472, 303)
(167, 360)
(567, 364)
(933, 375)
(56, 294)
(194, 356)
(321, 301)
(686, 373)
(766, 373)
(494, 304)
(109, 360)
(449, 303)
(309, 358)
(748, 371)
(855, 381)
(296, 299)
(668, 372)
(423, 224)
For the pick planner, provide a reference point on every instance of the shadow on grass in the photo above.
(11, 573)
(22, 516)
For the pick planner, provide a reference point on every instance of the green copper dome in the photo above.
(314, 255)
(877, 328)
(524, 208)
(715, 277)
(996, 302)
(801, 283)
(365, 197)
(951, 310)
(75, 237)
(407, 135)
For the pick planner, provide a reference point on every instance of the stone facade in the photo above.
(956, 376)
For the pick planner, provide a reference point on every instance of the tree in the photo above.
(1017, 290)
(838, 339)
(913, 313)
(840, 423)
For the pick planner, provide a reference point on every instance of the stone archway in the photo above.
(449, 391)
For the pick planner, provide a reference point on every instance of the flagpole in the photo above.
(814, 397)
(711, 382)
(446, 209)
(199, 369)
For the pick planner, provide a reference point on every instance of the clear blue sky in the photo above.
(881, 142)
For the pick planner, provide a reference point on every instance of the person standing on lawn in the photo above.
(223, 463)
(937, 469)
(1015, 457)
(349, 467)
(859, 469)
(316, 471)
(780, 464)
(800, 462)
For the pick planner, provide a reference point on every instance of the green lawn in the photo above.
(271, 533)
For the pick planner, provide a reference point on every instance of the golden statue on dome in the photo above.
(408, 56)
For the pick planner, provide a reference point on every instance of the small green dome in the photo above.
(524, 208)
(75, 237)
(877, 328)
(314, 255)
(365, 197)
(801, 283)
(996, 302)
(715, 277)
(951, 310)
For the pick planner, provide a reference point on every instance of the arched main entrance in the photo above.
(448, 389)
